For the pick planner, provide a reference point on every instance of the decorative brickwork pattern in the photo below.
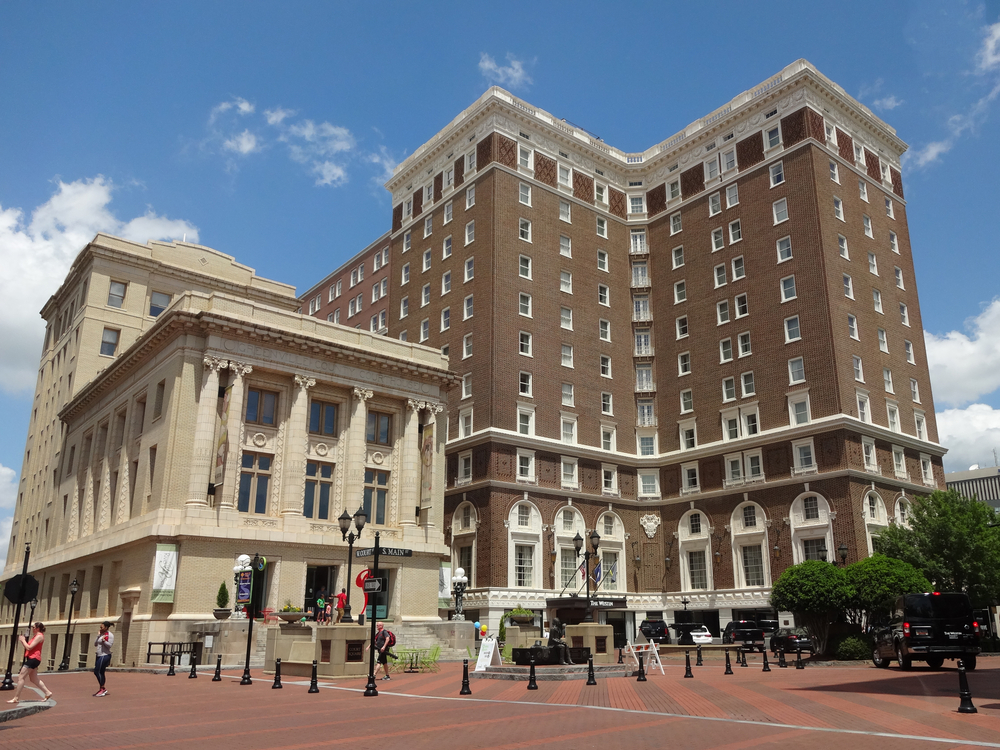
(438, 184)
(692, 181)
(656, 200)
(846, 145)
(750, 151)
(872, 163)
(486, 151)
(897, 181)
(397, 218)
(815, 127)
(793, 127)
(418, 202)
(507, 152)
(459, 170)
(545, 170)
(616, 203)
(583, 187)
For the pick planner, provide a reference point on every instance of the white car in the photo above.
(701, 635)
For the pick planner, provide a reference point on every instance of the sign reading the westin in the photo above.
(384, 552)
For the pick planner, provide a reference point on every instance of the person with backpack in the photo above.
(384, 641)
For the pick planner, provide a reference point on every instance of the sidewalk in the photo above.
(820, 706)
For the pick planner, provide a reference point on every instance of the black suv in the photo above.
(927, 627)
(655, 631)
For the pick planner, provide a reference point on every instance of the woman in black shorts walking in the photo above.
(32, 660)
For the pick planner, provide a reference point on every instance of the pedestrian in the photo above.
(102, 647)
(320, 609)
(384, 640)
(32, 660)
(328, 618)
(341, 603)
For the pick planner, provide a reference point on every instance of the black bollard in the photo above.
(194, 668)
(532, 685)
(729, 667)
(687, 664)
(799, 664)
(171, 672)
(698, 663)
(642, 671)
(218, 669)
(965, 707)
(767, 667)
(590, 670)
(621, 653)
(466, 690)
(781, 659)
(743, 660)
(277, 675)
(313, 687)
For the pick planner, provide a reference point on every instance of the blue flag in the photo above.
(597, 572)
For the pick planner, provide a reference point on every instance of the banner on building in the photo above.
(222, 447)
(164, 574)
(426, 465)
(444, 585)
(244, 587)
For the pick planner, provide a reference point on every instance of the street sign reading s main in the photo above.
(384, 552)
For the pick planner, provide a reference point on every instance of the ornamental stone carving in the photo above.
(363, 394)
(304, 381)
(649, 522)
(215, 364)
(240, 369)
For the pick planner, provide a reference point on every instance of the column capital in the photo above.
(434, 408)
(363, 394)
(214, 363)
(240, 369)
(414, 405)
(304, 381)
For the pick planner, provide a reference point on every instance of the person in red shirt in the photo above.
(32, 660)
(341, 603)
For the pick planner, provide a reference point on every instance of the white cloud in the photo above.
(36, 254)
(970, 435)
(323, 139)
(277, 115)
(989, 54)
(928, 154)
(513, 75)
(888, 102)
(870, 89)
(328, 173)
(386, 162)
(964, 367)
(243, 143)
(239, 104)
(5, 526)
(8, 487)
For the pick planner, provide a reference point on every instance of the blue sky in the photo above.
(266, 131)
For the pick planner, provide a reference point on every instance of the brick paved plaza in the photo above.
(853, 706)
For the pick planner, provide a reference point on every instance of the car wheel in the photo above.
(903, 662)
(878, 660)
(935, 662)
(970, 663)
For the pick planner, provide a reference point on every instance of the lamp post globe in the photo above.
(73, 588)
(460, 581)
(842, 551)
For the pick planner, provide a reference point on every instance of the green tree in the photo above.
(222, 597)
(948, 538)
(876, 580)
(815, 591)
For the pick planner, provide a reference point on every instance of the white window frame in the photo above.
(789, 338)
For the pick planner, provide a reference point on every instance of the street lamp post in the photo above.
(842, 550)
(246, 667)
(73, 588)
(461, 581)
(31, 617)
(595, 541)
(360, 519)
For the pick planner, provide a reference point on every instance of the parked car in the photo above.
(701, 635)
(927, 627)
(791, 640)
(768, 626)
(744, 633)
(655, 631)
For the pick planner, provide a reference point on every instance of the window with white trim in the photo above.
(711, 168)
(675, 223)
(470, 268)
(714, 204)
(524, 194)
(568, 429)
(526, 419)
(524, 157)
(834, 172)
(688, 435)
(565, 176)
(565, 246)
(739, 269)
(674, 189)
(470, 232)
(796, 371)
(604, 329)
(915, 390)
(638, 237)
(772, 137)
(893, 243)
(788, 288)
(792, 330)
(446, 319)
(567, 355)
(425, 329)
(870, 455)
(883, 341)
(777, 171)
(467, 311)
(863, 190)
(904, 314)
(908, 345)
(726, 350)
(524, 230)
(888, 208)
(644, 378)
(877, 300)
(680, 292)
(525, 465)
(784, 246)
(852, 327)
(566, 318)
(735, 232)
(718, 239)
(899, 277)
(602, 227)
(838, 208)
(802, 455)
(565, 212)
(798, 409)
(720, 275)
(449, 212)
(600, 192)
(464, 467)
(864, 409)
(636, 204)
(607, 403)
(524, 343)
(747, 383)
(892, 415)
(867, 221)
(742, 307)
(687, 401)
(566, 282)
(722, 312)
(428, 226)
(732, 195)
(744, 344)
(859, 370)
(649, 484)
(605, 366)
(524, 383)
(729, 160)
(684, 363)
(887, 380)
(425, 295)
(842, 244)
(603, 295)
(689, 477)
(602, 260)
(568, 397)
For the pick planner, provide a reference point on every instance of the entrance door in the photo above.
(617, 621)
(320, 580)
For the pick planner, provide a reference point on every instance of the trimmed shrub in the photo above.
(853, 648)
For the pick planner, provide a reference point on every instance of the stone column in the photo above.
(435, 514)
(234, 429)
(409, 482)
(356, 454)
(296, 448)
(203, 450)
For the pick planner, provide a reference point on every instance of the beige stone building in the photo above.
(185, 414)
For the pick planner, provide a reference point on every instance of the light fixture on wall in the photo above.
(842, 551)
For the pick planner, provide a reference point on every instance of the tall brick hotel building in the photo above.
(710, 351)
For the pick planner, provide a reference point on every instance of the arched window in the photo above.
(903, 510)
(875, 516)
(464, 523)
(567, 524)
(612, 552)
(751, 563)
(694, 537)
(812, 528)
(524, 546)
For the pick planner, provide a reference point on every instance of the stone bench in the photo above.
(545, 656)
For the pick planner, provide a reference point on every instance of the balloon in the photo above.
(483, 628)
(477, 625)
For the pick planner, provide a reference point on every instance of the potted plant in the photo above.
(521, 616)
(222, 610)
(290, 613)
